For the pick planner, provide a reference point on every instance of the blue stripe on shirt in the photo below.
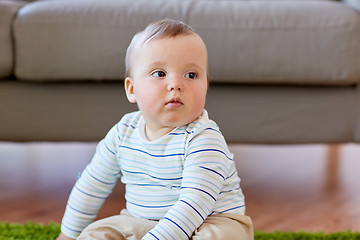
(143, 206)
(109, 149)
(193, 209)
(177, 226)
(212, 171)
(89, 194)
(152, 155)
(209, 150)
(89, 214)
(143, 173)
(127, 125)
(98, 179)
(198, 189)
(64, 225)
(153, 235)
(227, 210)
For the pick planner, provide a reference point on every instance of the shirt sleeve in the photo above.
(206, 166)
(92, 188)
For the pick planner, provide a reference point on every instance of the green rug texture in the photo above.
(33, 231)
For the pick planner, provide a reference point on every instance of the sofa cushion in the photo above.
(287, 42)
(8, 10)
(82, 40)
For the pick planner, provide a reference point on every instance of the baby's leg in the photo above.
(225, 227)
(120, 227)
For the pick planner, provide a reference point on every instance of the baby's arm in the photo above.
(91, 189)
(207, 165)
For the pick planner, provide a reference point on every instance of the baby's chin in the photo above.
(181, 121)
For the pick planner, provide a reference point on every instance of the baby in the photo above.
(180, 177)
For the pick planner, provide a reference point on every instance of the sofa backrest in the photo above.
(283, 42)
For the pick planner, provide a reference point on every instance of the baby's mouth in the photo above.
(174, 103)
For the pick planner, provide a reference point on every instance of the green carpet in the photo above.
(28, 231)
(32, 231)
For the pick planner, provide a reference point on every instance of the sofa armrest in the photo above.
(8, 10)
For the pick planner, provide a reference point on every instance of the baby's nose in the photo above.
(175, 84)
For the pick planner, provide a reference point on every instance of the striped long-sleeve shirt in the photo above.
(179, 179)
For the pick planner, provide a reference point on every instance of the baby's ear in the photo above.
(129, 89)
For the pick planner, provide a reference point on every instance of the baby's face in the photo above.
(169, 81)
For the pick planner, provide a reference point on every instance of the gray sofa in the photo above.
(280, 71)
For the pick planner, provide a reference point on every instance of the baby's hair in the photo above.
(156, 30)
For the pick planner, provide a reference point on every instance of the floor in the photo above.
(289, 188)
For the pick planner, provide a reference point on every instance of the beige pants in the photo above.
(127, 227)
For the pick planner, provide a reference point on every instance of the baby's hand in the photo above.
(63, 237)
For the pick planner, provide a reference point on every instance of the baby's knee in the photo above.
(120, 227)
(225, 226)
(104, 229)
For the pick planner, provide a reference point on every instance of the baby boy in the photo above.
(180, 177)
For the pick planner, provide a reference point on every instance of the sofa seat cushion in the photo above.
(282, 42)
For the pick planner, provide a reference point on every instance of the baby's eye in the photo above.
(159, 74)
(191, 75)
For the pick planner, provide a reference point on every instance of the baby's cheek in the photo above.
(199, 99)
